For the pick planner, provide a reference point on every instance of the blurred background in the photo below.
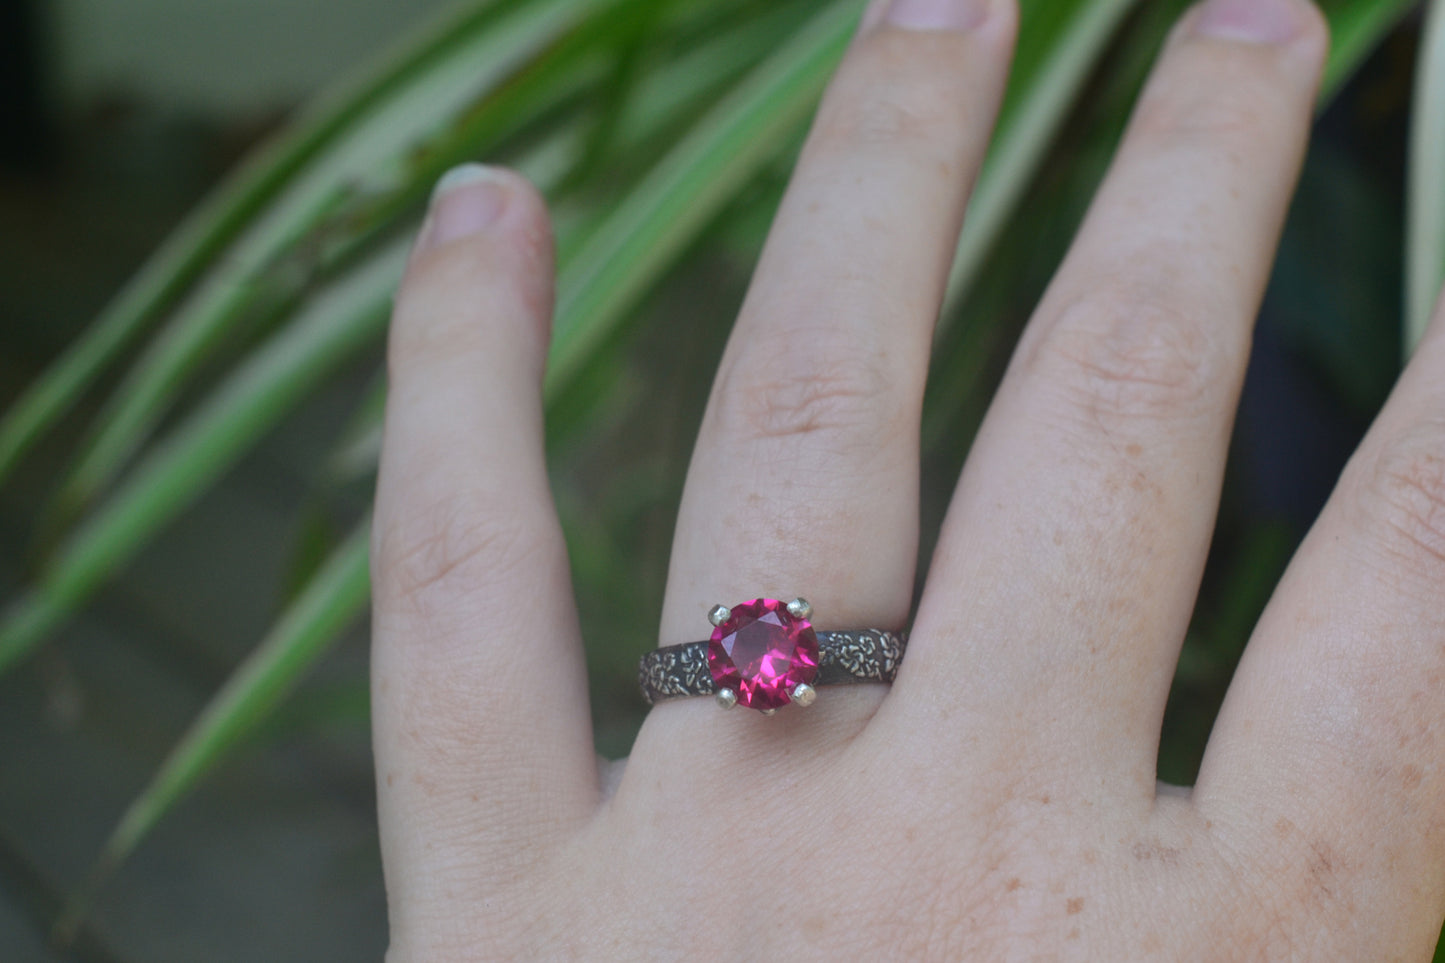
(186, 453)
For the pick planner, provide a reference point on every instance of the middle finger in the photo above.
(1067, 569)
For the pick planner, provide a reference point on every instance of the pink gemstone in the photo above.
(762, 653)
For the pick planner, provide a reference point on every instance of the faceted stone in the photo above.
(761, 653)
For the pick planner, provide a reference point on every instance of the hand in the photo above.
(999, 801)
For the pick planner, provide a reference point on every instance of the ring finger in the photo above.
(804, 480)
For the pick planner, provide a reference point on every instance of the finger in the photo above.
(1330, 747)
(804, 480)
(480, 710)
(1066, 571)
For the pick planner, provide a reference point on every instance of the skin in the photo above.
(999, 801)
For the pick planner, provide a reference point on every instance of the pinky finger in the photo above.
(482, 738)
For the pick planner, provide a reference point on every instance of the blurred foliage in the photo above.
(1425, 253)
(662, 132)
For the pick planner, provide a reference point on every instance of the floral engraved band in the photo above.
(765, 654)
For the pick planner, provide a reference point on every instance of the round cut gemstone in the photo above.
(762, 653)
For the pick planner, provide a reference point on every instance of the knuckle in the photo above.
(1197, 114)
(456, 548)
(426, 329)
(876, 118)
(1401, 495)
(841, 396)
(1127, 357)
(895, 92)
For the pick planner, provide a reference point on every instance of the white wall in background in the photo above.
(218, 56)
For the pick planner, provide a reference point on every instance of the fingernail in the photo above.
(466, 201)
(930, 14)
(1253, 21)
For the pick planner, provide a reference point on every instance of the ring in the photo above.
(765, 654)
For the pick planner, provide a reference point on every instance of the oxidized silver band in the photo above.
(863, 655)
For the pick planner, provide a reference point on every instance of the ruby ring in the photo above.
(765, 654)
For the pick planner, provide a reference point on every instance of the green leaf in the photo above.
(236, 203)
(1356, 29)
(333, 600)
(669, 93)
(1057, 52)
(358, 449)
(1425, 210)
(346, 316)
(289, 242)
(652, 226)
(1058, 49)
(289, 650)
(261, 390)
(673, 89)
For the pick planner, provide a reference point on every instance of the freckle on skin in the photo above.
(1411, 778)
(1134, 449)
(1282, 827)
(1076, 906)
(1044, 799)
(1013, 884)
(1073, 933)
(1144, 852)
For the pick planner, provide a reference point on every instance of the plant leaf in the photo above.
(289, 650)
(1425, 210)
(204, 233)
(265, 386)
(279, 255)
(334, 598)
(229, 421)
(1356, 29)
(667, 94)
(1056, 53)
(648, 230)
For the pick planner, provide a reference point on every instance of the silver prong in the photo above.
(727, 698)
(800, 609)
(804, 694)
(768, 712)
(719, 614)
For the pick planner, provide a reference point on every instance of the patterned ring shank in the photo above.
(861, 655)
